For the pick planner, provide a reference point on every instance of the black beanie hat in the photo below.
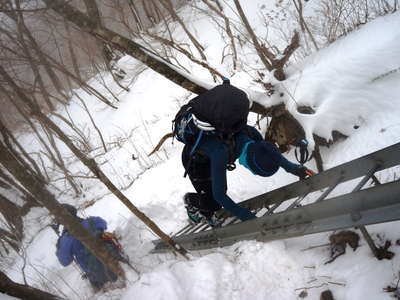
(263, 158)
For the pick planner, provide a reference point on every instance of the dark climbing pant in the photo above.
(99, 275)
(197, 167)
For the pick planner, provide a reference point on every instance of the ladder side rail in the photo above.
(336, 213)
(347, 207)
(372, 216)
(278, 196)
(385, 158)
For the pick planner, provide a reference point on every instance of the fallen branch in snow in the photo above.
(160, 143)
(337, 283)
(394, 289)
(23, 291)
(313, 280)
(313, 247)
(311, 287)
(385, 74)
(321, 285)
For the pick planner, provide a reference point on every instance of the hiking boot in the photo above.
(186, 199)
(193, 212)
(214, 221)
(195, 217)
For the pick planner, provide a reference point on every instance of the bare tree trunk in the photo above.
(157, 11)
(4, 184)
(12, 215)
(170, 8)
(83, 140)
(48, 200)
(93, 11)
(20, 33)
(11, 147)
(52, 75)
(126, 45)
(152, 60)
(318, 159)
(149, 16)
(177, 47)
(279, 64)
(22, 291)
(59, 161)
(219, 12)
(93, 123)
(7, 134)
(90, 163)
(263, 53)
(269, 60)
(136, 15)
(12, 183)
(99, 70)
(111, 71)
(299, 7)
(74, 59)
(82, 84)
(7, 237)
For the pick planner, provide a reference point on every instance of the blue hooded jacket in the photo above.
(69, 248)
(218, 153)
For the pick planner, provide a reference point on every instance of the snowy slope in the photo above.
(338, 82)
(6, 297)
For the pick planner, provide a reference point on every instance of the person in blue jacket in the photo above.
(70, 249)
(207, 167)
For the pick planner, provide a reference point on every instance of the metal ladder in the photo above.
(360, 207)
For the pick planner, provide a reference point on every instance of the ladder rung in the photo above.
(366, 178)
(328, 190)
(376, 180)
(191, 227)
(183, 229)
(204, 227)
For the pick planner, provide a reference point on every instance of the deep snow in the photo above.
(338, 82)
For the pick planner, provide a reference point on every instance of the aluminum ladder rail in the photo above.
(358, 208)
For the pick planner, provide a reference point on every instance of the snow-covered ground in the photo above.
(338, 82)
